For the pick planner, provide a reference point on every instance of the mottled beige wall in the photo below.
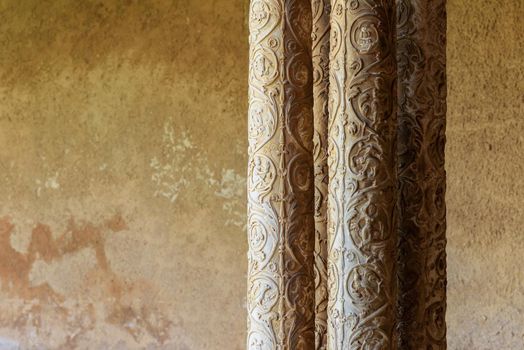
(122, 157)
(485, 164)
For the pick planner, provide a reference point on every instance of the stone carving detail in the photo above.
(362, 232)
(346, 179)
(281, 284)
(320, 35)
(421, 59)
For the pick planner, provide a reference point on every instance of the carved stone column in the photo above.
(281, 290)
(320, 36)
(421, 57)
(362, 176)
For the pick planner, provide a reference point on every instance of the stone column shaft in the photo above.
(362, 233)
(421, 59)
(281, 289)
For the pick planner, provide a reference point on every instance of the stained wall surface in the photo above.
(485, 168)
(122, 157)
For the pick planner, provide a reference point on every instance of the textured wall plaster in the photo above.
(122, 149)
(485, 168)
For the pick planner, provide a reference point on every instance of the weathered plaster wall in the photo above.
(122, 157)
(485, 174)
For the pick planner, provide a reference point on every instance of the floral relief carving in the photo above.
(421, 59)
(320, 34)
(362, 186)
(281, 286)
(346, 178)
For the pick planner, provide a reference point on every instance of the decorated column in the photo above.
(362, 176)
(281, 288)
(421, 57)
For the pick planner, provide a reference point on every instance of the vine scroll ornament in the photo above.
(362, 164)
(421, 60)
(281, 284)
(320, 35)
(346, 178)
